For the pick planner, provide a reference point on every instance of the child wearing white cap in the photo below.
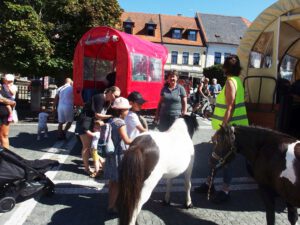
(9, 91)
(119, 138)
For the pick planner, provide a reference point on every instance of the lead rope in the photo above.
(210, 183)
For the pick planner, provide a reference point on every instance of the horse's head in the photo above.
(192, 123)
(224, 147)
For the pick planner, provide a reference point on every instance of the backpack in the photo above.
(105, 142)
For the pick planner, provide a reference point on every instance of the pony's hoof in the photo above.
(165, 203)
(190, 206)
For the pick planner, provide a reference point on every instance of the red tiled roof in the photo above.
(140, 20)
(187, 23)
(165, 24)
(247, 22)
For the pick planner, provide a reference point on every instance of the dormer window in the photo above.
(192, 35)
(128, 25)
(177, 33)
(150, 27)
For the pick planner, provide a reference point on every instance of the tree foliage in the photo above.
(38, 37)
(215, 71)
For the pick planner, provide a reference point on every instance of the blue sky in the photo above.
(248, 9)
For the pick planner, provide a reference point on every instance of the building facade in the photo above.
(181, 36)
(193, 42)
(221, 35)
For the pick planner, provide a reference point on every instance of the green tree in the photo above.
(215, 71)
(24, 46)
(50, 32)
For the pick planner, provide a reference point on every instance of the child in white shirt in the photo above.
(98, 160)
(42, 125)
(133, 123)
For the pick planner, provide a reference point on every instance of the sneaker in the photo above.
(221, 197)
(38, 138)
(203, 189)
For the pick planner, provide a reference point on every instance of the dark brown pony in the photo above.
(274, 160)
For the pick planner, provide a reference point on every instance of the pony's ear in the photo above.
(222, 127)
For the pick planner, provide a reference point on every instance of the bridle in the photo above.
(221, 161)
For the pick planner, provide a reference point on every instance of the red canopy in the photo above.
(139, 64)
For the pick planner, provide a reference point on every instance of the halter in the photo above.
(222, 160)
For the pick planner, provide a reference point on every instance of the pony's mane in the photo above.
(264, 130)
(192, 123)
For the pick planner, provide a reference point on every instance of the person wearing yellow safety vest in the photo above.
(230, 108)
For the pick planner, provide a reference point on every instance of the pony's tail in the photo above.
(131, 181)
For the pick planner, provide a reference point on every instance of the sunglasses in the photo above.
(115, 96)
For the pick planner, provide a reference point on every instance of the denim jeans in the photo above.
(227, 174)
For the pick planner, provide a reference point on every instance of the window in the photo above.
(174, 56)
(128, 28)
(218, 56)
(146, 69)
(262, 51)
(96, 69)
(150, 30)
(287, 67)
(192, 36)
(185, 58)
(196, 59)
(176, 34)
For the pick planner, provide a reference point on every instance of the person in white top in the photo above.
(98, 160)
(42, 124)
(132, 120)
(64, 103)
(9, 91)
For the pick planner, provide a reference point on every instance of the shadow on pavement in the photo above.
(91, 209)
(175, 214)
(249, 201)
(76, 209)
(28, 141)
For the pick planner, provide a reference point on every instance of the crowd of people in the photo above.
(205, 95)
(125, 123)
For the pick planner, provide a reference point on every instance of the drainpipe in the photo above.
(205, 64)
(161, 39)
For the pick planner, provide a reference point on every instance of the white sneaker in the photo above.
(38, 138)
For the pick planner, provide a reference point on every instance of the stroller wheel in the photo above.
(7, 204)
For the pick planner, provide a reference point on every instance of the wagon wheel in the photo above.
(7, 204)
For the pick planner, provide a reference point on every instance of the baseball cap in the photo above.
(136, 97)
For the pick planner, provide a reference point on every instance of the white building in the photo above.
(221, 35)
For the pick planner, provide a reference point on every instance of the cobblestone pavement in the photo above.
(82, 200)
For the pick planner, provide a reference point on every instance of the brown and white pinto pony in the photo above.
(274, 159)
(151, 156)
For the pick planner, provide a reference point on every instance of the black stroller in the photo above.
(21, 178)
